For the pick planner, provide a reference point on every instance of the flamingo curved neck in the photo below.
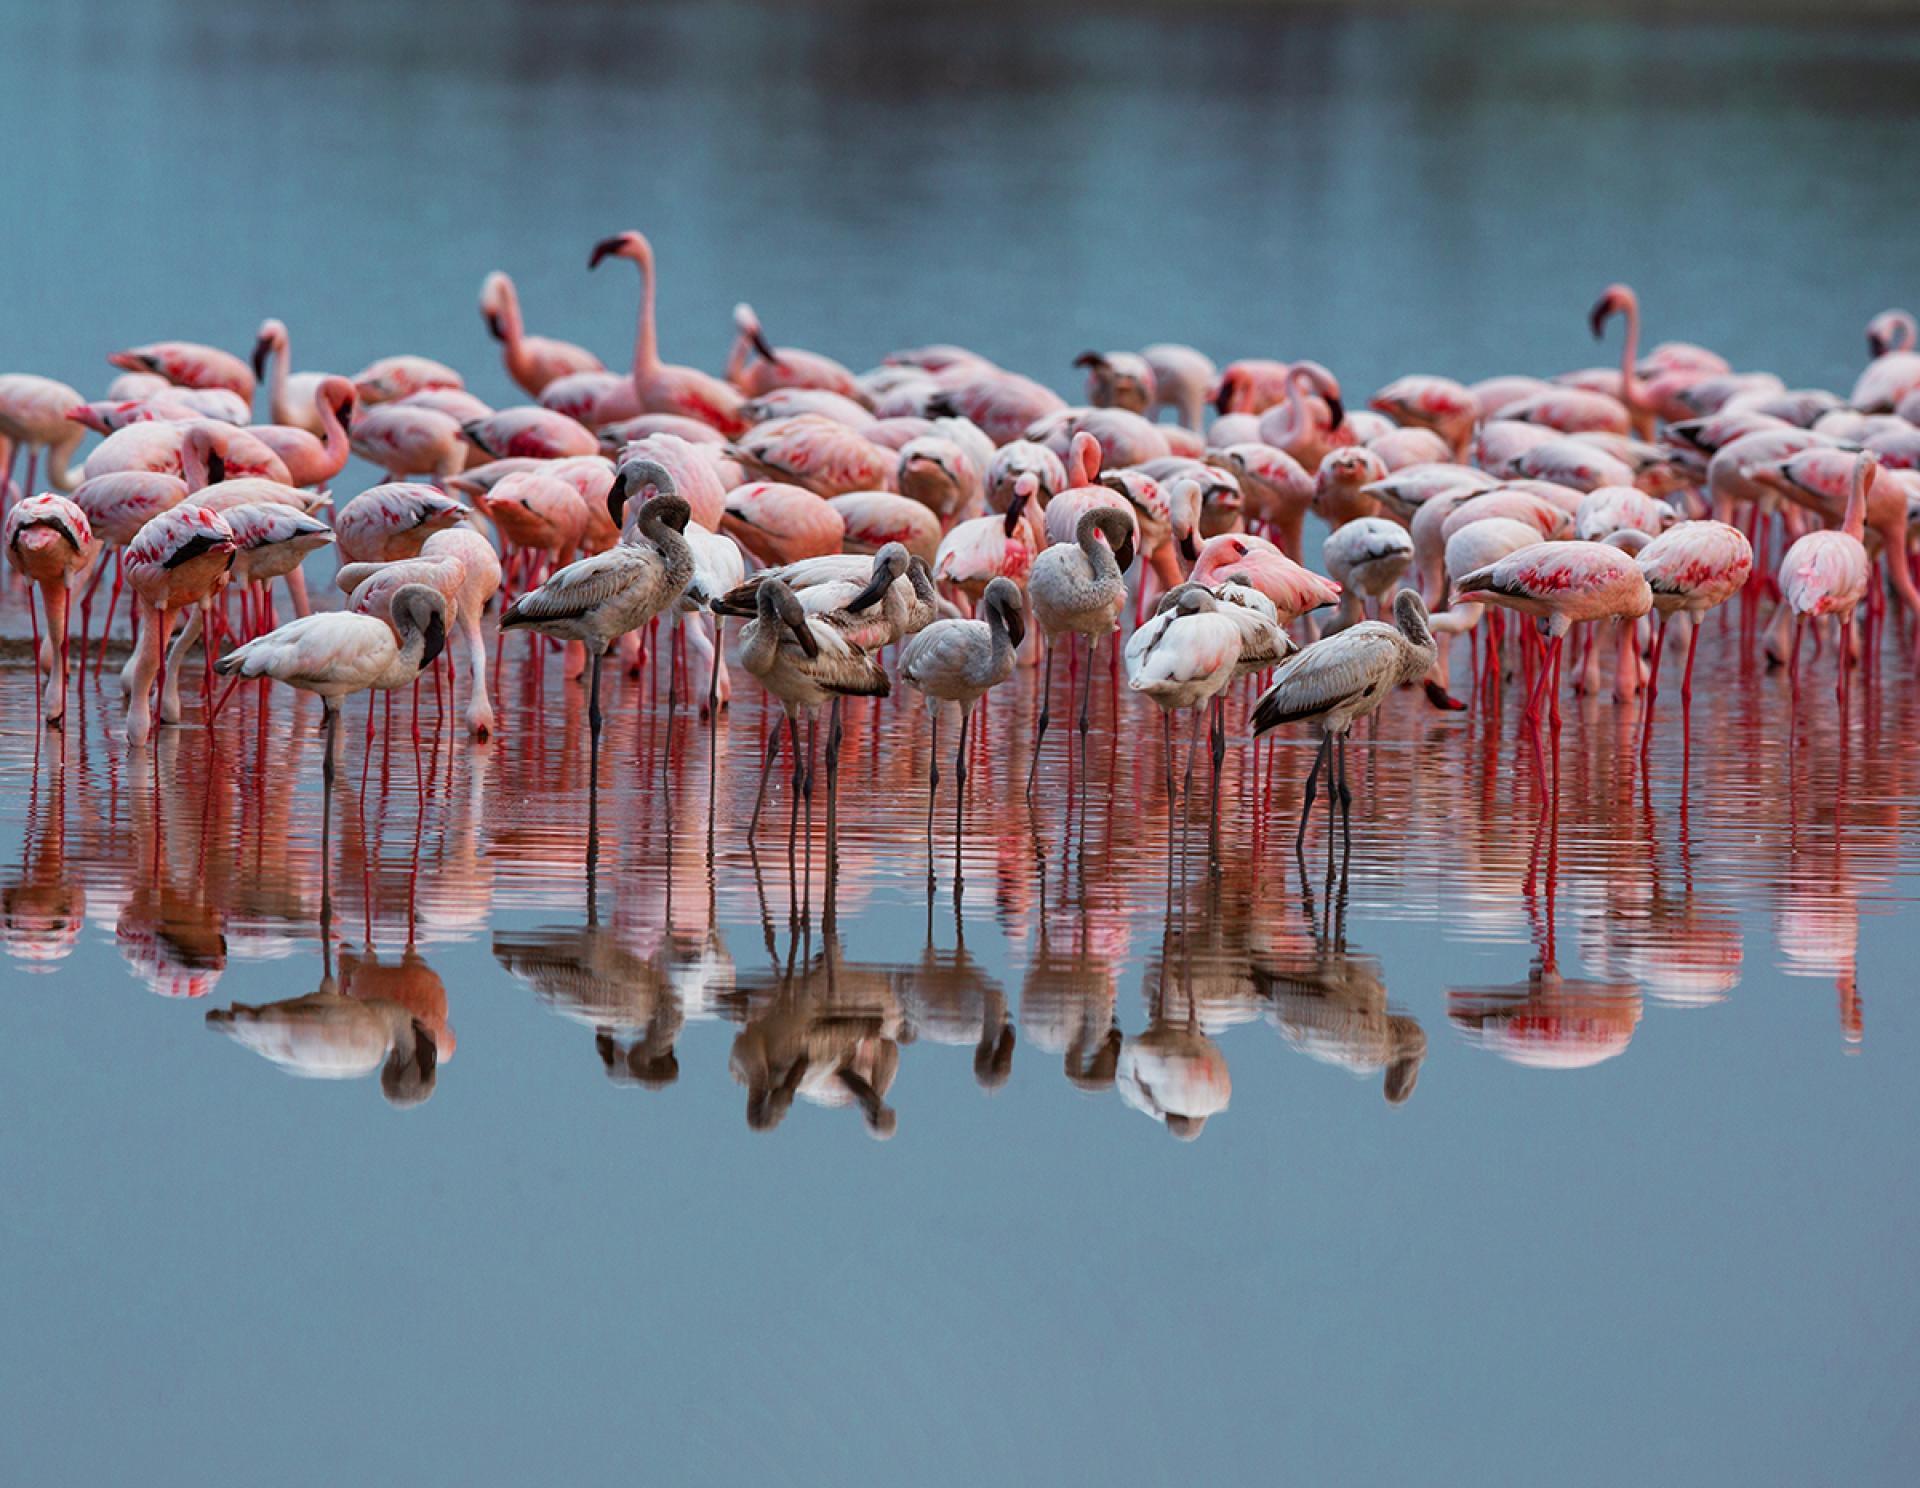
(1854, 524)
(1906, 332)
(1632, 392)
(646, 347)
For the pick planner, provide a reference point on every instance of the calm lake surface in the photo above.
(1644, 1209)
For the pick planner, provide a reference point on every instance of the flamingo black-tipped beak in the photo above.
(1089, 359)
(1124, 554)
(216, 467)
(803, 636)
(617, 496)
(1442, 699)
(494, 328)
(1189, 549)
(1336, 409)
(436, 640)
(260, 350)
(1597, 317)
(876, 588)
(1876, 346)
(603, 249)
(1222, 398)
(1016, 625)
(760, 345)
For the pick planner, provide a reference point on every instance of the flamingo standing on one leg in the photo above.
(49, 543)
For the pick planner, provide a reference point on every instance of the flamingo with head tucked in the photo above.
(189, 364)
(49, 542)
(1828, 573)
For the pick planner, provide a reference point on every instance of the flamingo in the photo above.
(1118, 379)
(1436, 403)
(975, 552)
(1828, 572)
(778, 523)
(537, 433)
(290, 395)
(178, 560)
(872, 519)
(1182, 380)
(1619, 299)
(462, 565)
(1312, 421)
(939, 474)
(406, 441)
(392, 378)
(1294, 590)
(1692, 567)
(313, 458)
(1079, 588)
(783, 366)
(824, 456)
(387, 522)
(960, 661)
(1024, 457)
(1560, 583)
(806, 657)
(1336, 682)
(599, 599)
(1004, 404)
(34, 415)
(1895, 369)
(1251, 386)
(49, 543)
(338, 654)
(1182, 659)
(189, 364)
(656, 386)
(1367, 558)
(531, 361)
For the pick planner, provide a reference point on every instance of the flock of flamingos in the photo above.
(940, 521)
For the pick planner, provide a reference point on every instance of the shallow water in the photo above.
(1642, 1209)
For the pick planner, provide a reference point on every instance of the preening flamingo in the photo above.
(782, 366)
(312, 457)
(1079, 588)
(1828, 572)
(178, 560)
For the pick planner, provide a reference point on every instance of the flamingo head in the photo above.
(495, 293)
(747, 323)
(1615, 299)
(889, 564)
(631, 245)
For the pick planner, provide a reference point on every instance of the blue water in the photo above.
(1688, 1263)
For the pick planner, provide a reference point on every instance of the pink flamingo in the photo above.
(975, 552)
(1276, 489)
(1004, 404)
(1118, 379)
(392, 378)
(782, 366)
(537, 433)
(1895, 369)
(531, 361)
(406, 441)
(1571, 410)
(1399, 448)
(1313, 419)
(1619, 299)
(35, 416)
(1251, 385)
(699, 471)
(1692, 567)
(213, 452)
(656, 386)
(938, 473)
(1025, 457)
(818, 453)
(1561, 583)
(314, 460)
(780, 523)
(1294, 590)
(118, 506)
(178, 560)
(1827, 573)
(1339, 485)
(189, 364)
(389, 522)
(49, 542)
(1183, 379)
(1436, 403)
(290, 395)
(875, 518)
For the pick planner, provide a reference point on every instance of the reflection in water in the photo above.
(200, 861)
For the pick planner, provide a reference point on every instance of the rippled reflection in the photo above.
(1554, 939)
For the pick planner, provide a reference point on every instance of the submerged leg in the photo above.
(1306, 810)
(1046, 702)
